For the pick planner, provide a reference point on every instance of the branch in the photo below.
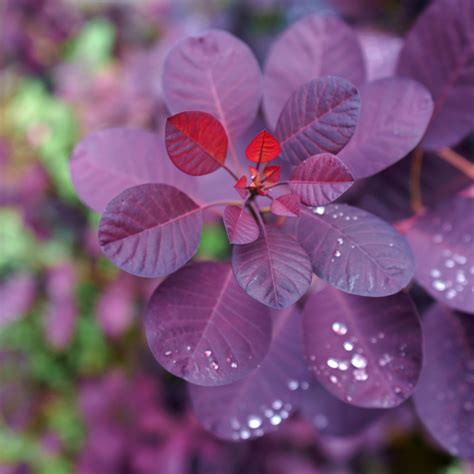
(458, 161)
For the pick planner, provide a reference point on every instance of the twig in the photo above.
(457, 160)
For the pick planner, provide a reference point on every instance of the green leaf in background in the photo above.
(93, 46)
(16, 243)
(214, 243)
(50, 125)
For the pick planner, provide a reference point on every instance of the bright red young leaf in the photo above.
(286, 205)
(196, 142)
(263, 148)
(241, 185)
(272, 174)
(240, 225)
(320, 179)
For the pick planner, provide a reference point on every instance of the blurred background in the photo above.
(79, 390)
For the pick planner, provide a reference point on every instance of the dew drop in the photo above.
(208, 353)
(254, 422)
(359, 361)
(343, 365)
(384, 360)
(449, 263)
(284, 414)
(333, 379)
(277, 404)
(450, 294)
(319, 210)
(168, 353)
(339, 328)
(333, 363)
(275, 420)
(435, 273)
(461, 278)
(461, 259)
(214, 365)
(244, 434)
(233, 365)
(340, 240)
(234, 423)
(188, 348)
(348, 346)
(293, 385)
(360, 375)
(337, 253)
(304, 385)
(439, 285)
(268, 413)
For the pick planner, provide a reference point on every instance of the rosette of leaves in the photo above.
(253, 350)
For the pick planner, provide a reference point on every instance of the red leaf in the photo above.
(272, 174)
(196, 142)
(263, 148)
(240, 226)
(240, 186)
(287, 205)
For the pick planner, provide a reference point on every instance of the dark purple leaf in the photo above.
(444, 398)
(202, 327)
(320, 179)
(365, 351)
(217, 73)
(150, 230)
(394, 115)
(355, 251)
(332, 417)
(240, 225)
(313, 47)
(196, 142)
(442, 241)
(107, 162)
(286, 205)
(259, 403)
(274, 269)
(321, 116)
(439, 53)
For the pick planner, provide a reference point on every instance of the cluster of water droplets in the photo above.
(253, 426)
(452, 273)
(355, 364)
(212, 362)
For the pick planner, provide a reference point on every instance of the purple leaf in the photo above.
(274, 269)
(355, 251)
(394, 115)
(381, 51)
(107, 162)
(287, 205)
(115, 306)
(196, 142)
(321, 116)
(439, 53)
(320, 179)
(313, 47)
(150, 230)
(365, 351)
(332, 417)
(17, 294)
(240, 225)
(61, 312)
(259, 403)
(203, 328)
(444, 398)
(217, 73)
(442, 242)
